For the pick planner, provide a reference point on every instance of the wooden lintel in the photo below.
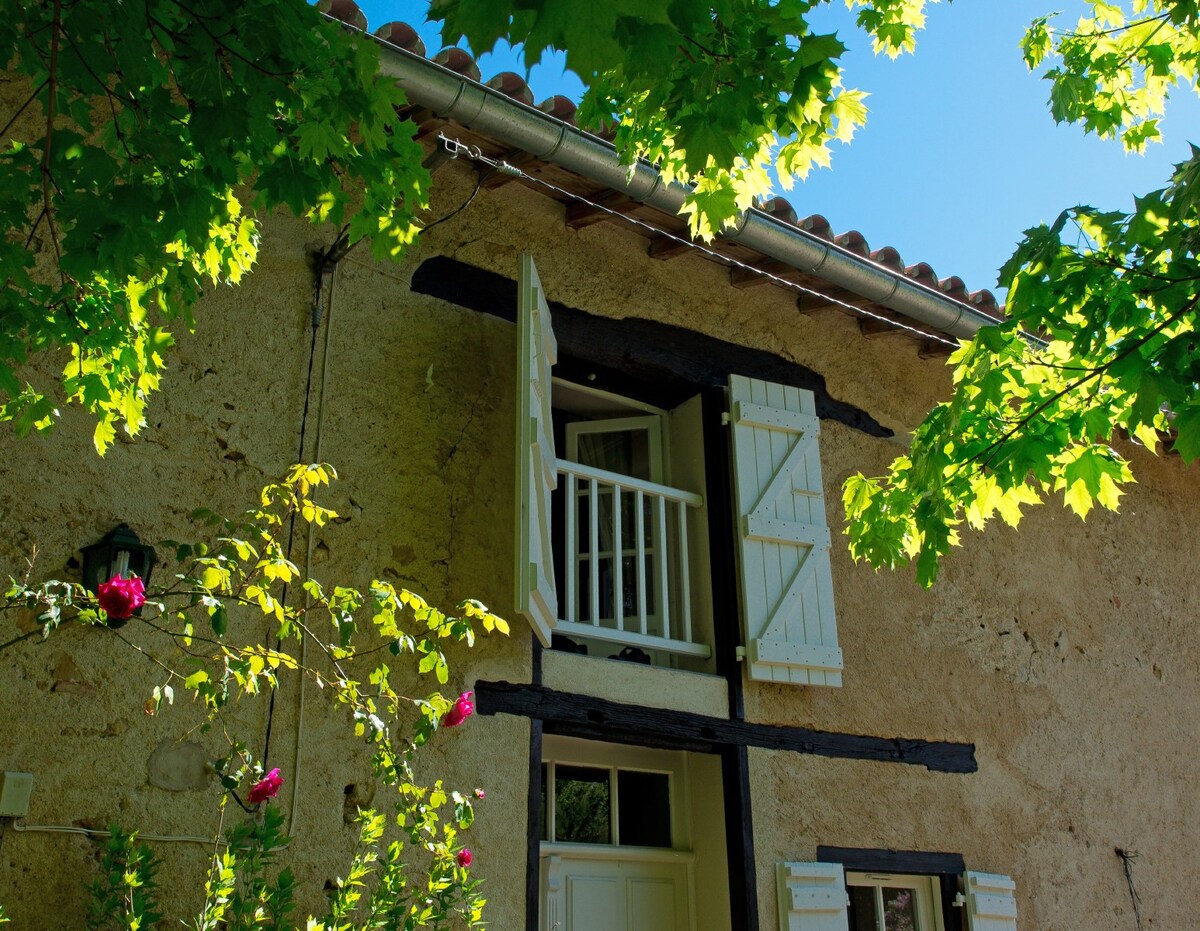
(600, 719)
(580, 214)
(663, 248)
(750, 277)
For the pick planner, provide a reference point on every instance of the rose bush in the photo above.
(121, 597)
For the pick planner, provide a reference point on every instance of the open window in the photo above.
(629, 528)
(612, 535)
(828, 897)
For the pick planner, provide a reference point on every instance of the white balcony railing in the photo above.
(626, 561)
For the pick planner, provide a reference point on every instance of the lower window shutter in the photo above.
(537, 476)
(812, 897)
(991, 902)
(786, 580)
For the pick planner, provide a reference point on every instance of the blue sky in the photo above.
(959, 154)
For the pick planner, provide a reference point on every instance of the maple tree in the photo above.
(132, 133)
(1100, 342)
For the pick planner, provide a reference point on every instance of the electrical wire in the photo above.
(318, 435)
(96, 832)
(456, 147)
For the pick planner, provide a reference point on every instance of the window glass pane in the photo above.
(644, 809)
(581, 805)
(624, 451)
(864, 914)
(899, 910)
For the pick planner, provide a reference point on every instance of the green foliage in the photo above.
(208, 619)
(123, 897)
(1116, 68)
(714, 93)
(1112, 299)
(140, 149)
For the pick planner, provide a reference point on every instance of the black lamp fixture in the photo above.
(118, 552)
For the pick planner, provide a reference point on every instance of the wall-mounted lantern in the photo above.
(118, 552)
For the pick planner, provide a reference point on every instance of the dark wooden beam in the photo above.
(533, 866)
(580, 214)
(655, 362)
(752, 277)
(873, 860)
(934, 349)
(600, 719)
(870, 327)
(739, 839)
(663, 248)
(821, 303)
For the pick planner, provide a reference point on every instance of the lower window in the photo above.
(893, 902)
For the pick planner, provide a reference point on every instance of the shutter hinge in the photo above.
(960, 900)
(740, 653)
(724, 418)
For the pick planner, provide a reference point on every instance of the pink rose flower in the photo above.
(265, 788)
(462, 709)
(121, 597)
(463, 858)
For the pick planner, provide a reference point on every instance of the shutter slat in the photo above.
(991, 902)
(787, 583)
(537, 477)
(812, 897)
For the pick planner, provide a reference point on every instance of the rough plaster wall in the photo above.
(1066, 653)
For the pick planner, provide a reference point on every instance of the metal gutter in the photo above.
(487, 111)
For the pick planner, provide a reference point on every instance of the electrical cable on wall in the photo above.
(1127, 858)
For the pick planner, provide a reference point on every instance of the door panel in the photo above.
(608, 894)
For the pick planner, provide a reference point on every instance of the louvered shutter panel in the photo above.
(787, 585)
(537, 351)
(991, 902)
(812, 897)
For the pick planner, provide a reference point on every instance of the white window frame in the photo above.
(926, 891)
(672, 596)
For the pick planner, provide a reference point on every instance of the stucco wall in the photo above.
(1066, 653)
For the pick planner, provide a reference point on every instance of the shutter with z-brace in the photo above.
(787, 585)
(537, 351)
(812, 897)
(991, 902)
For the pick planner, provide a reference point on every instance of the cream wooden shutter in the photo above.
(812, 897)
(787, 586)
(537, 351)
(991, 902)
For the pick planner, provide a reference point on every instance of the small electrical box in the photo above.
(15, 789)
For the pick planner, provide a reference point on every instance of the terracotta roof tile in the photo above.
(460, 62)
(817, 225)
(562, 108)
(854, 241)
(559, 107)
(922, 273)
(345, 10)
(402, 35)
(888, 257)
(511, 84)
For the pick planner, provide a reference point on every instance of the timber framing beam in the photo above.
(600, 719)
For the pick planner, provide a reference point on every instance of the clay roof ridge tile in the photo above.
(402, 35)
(346, 11)
(460, 61)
